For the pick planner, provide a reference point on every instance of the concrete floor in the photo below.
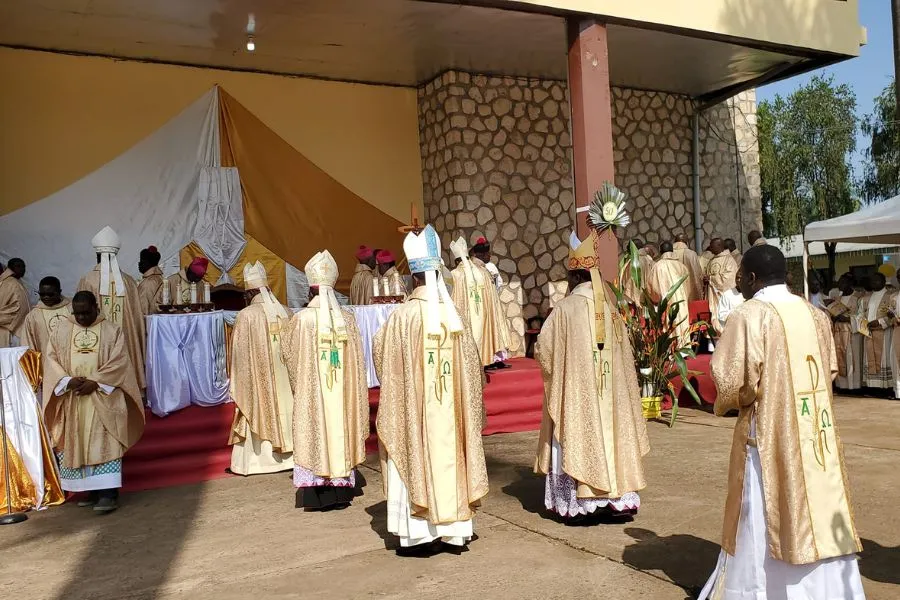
(241, 538)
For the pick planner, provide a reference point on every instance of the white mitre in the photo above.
(106, 243)
(423, 252)
(460, 250)
(255, 278)
(322, 271)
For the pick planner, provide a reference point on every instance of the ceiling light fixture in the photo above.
(251, 45)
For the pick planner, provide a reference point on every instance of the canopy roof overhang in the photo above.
(395, 42)
(876, 224)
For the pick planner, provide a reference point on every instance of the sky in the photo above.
(867, 75)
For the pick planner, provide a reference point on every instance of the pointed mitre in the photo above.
(459, 248)
(582, 255)
(255, 276)
(321, 270)
(423, 252)
(106, 240)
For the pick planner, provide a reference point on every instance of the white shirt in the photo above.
(495, 273)
(729, 301)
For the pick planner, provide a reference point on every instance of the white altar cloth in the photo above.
(370, 319)
(186, 361)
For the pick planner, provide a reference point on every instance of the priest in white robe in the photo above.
(361, 286)
(877, 312)
(323, 351)
(721, 273)
(661, 278)
(690, 259)
(43, 319)
(261, 433)
(788, 530)
(431, 411)
(152, 283)
(844, 313)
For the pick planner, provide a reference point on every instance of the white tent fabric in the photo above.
(220, 220)
(876, 224)
(166, 190)
(148, 195)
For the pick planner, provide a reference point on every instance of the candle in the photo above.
(397, 291)
(166, 294)
(206, 293)
(193, 293)
(375, 291)
(179, 293)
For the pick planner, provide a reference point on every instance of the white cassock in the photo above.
(729, 301)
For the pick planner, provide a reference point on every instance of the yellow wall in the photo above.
(62, 117)
(828, 25)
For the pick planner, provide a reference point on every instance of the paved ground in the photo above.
(242, 538)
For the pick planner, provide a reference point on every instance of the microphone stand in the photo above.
(10, 517)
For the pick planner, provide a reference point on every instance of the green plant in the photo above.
(652, 329)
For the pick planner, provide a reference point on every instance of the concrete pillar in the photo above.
(591, 123)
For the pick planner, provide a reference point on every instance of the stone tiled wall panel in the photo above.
(496, 161)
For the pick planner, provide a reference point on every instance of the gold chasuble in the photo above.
(150, 290)
(322, 349)
(880, 365)
(41, 322)
(14, 306)
(478, 302)
(260, 386)
(125, 310)
(431, 411)
(97, 428)
(664, 274)
(690, 260)
(592, 404)
(721, 271)
(361, 287)
(775, 363)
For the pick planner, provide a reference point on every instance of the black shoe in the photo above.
(91, 500)
(106, 504)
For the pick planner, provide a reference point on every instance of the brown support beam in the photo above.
(591, 123)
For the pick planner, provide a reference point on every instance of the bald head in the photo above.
(753, 236)
(717, 245)
(680, 237)
(762, 266)
(665, 247)
(730, 244)
(638, 243)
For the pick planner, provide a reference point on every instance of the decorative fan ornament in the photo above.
(607, 210)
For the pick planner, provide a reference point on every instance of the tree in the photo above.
(881, 175)
(805, 144)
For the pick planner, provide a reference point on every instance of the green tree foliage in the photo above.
(881, 177)
(805, 144)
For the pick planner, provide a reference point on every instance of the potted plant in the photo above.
(660, 358)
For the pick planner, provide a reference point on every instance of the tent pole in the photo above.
(805, 269)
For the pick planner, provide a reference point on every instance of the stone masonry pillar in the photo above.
(591, 124)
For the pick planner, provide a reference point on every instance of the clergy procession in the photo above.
(301, 404)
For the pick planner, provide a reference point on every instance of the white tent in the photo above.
(877, 224)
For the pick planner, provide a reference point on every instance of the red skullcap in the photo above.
(364, 253)
(384, 257)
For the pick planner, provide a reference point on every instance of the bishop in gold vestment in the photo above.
(593, 435)
(844, 313)
(180, 290)
(14, 303)
(361, 287)
(261, 436)
(690, 259)
(788, 530)
(388, 280)
(150, 287)
(323, 352)
(92, 404)
(478, 302)
(721, 273)
(42, 321)
(431, 411)
(666, 272)
(118, 297)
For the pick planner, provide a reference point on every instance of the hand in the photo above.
(874, 326)
(88, 387)
(74, 383)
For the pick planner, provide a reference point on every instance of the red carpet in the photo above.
(190, 445)
(702, 382)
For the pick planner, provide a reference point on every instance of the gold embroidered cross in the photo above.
(821, 420)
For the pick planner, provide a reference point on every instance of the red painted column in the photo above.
(591, 123)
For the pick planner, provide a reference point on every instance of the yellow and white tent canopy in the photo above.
(213, 181)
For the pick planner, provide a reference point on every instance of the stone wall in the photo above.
(496, 161)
